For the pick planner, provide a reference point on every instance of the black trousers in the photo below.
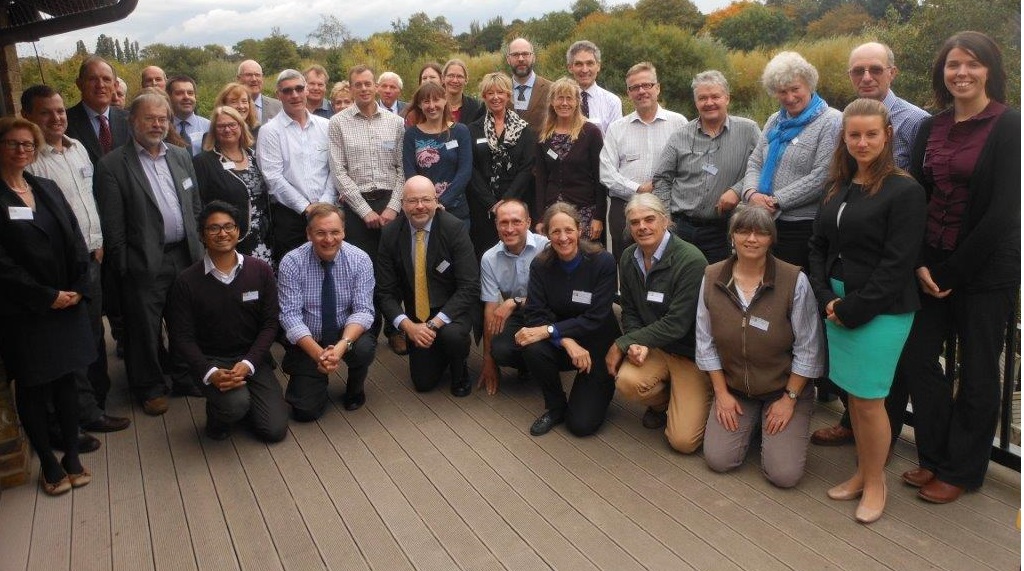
(367, 240)
(793, 244)
(954, 432)
(307, 386)
(449, 351)
(504, 350)
(260, 402)
(94, 383)
(591, 393)
(710, 239)
(618, 229)
(289, 230)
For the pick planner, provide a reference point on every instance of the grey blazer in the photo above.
(271, 107)
(133, 229)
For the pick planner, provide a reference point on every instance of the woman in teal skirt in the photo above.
(863, 251)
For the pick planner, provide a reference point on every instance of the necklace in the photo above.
(233, 159)
(21, 188)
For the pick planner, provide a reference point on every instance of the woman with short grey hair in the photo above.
(788, 170)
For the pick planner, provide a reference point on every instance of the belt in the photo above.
(698, 221)
(174, 245)
(376, 194)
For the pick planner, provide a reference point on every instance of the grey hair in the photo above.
(289, 74)
(390, 75)
(646, 200)
(757, 218)
(712, 77)
(582, 46)
(147, 97)
(785, 68)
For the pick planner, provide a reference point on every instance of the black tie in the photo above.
(586, 105)
(522, 92)
(328, 307)
(184, 132)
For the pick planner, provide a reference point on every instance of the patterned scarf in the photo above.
(501, 145)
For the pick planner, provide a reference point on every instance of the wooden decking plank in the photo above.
(453, 481)
(211, 540)
(90, 531)
(130, 531)
(17, 510)
(51, 529)
(465, 444)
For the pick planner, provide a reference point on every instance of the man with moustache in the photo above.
(700, 172)
(428, 285)
(250, 74)
(504, 278)
(631, 147)
(600, 106)
(389, 89)
(530, 91)
(148, 202)
(316, 91)
(153, 76)
(293, 158)
(93, 121)
(191, 127)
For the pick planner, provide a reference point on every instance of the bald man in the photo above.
(250, 74)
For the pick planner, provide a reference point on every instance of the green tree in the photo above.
(583, 8)
(422, 36)
(548, 29)
(80, 49)
(279, 52)
(105, 47)
(486, 38)
(248, 49)
(682, 13)
(175, 60)
(846, 20)
(215, 51)
(754, 27)
(330, 33)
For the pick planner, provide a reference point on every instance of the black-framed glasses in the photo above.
(647, 86)
(23, 145)
(214, 229)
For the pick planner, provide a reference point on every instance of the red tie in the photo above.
(106, 139)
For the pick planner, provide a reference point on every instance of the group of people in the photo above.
(828, 247)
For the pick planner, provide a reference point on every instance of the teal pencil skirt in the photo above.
(862, 361)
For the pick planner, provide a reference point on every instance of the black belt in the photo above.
(377, 194)
(174, 245)
(698, 221)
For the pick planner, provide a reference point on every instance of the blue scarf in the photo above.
(784, 131)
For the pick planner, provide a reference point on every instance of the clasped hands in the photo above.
(229, 379)
(66, 299)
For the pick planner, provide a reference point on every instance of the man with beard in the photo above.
(530, 91)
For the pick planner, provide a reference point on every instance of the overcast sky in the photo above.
(225, 22)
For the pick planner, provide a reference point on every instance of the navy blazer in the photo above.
(79, 127)
(453, 274)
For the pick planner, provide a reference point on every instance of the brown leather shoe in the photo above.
(918, 477)
(155, 406)
(832, 436)
(399, 344)
(939, 492)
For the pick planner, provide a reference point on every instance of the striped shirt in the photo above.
(695, 169)
(294, 161)
(72, 170)
(299, 283)
(366, 155)
(605, 107)
(631, 148)
(906, 119)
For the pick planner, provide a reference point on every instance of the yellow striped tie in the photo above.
(420, 278)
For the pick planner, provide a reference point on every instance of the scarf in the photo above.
(500, 146)
(780, 135)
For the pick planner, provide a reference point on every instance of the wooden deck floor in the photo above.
(427, 481)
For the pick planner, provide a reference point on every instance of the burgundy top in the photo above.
(949, 161)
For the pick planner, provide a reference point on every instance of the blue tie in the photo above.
(329, 331)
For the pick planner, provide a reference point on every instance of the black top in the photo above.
(577, 177)
(577, 303)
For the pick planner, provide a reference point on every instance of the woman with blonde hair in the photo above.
(236, 96)
(454, 77)
(568, 167)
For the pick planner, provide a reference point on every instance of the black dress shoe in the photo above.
(86, 443)
(217, 430)
(462, 389)
(353, 402)
(546, 422)
(107, 423)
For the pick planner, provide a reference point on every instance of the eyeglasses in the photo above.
(874, 70)
(214, 229)
(23, 145)
(454, 76)
(227, 127)
(417, 201)
(150, 119)
(520, 54)
(290, 90)
(638, 86)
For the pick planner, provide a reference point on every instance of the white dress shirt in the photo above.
(295, 162)
(631, 150)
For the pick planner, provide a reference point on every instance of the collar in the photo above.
(356, 111)
(288, 118)
(659, 115)
(139, 149)
(258, 101)
(93, 114)
(191, 120)
(530, 80)
(725, 275)
(427, 227)
(889, 100)
(659, 252)
(65, 140)
(533, 241)
(725, 125)
(208, 266)
(393, 108)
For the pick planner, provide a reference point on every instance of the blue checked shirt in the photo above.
(906, 119)
(300, 278)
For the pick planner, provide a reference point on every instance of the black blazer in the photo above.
(878, 238)
(471, 110)
(519, 184)
(217, 183)
(987, 254)
(79, 127)
(133, 228)
(453, 275)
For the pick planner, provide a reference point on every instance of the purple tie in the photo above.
(106, 139)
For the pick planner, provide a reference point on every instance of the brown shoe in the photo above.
(155, 406)
(398, 343)
(939, 492)
(55, 489)
(918, 477)
(832, 436)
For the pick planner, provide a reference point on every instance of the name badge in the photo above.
(481, 141)
(388, 145)
(710, 169)
(444, 265)
(228, 165)
(453, 144)
(758, 322)
(187, 183)
(19, 212)
(594, 120)
(631, 158)
(87, 171)
(655, 297)
(553, 154)
(321, 148)
(795, 141)
(581, 297)
(250, 295)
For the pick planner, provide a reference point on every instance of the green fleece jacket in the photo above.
(659, 312)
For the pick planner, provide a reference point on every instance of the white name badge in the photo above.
(187, 183)
(553, 154)
(87, 171)
(388, 145)
(444, 265)
(655, 297)
(581, 297)
(19, 212)
(710, 169)
(481, 141)
(453, 144)
(795, 141)
(228, 165)
(758, 322)
(250, 295)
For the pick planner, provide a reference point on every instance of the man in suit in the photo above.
(250, 74)
(530, 91)
(94, 121)
(191, 127)
(426, 264)
(148, 202)
(389, 89)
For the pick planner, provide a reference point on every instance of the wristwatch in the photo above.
(792, 394)
(519, 301)
(347, 342)
(431, 326)
(551, 330)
